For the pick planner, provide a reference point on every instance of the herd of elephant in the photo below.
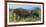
(26, 15)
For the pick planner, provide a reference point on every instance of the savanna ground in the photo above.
(24, 19)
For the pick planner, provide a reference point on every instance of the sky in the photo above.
(13, 6)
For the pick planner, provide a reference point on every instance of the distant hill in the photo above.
(24, 10)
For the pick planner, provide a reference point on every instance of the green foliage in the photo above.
(11, 18)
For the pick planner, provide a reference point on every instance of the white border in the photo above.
(23, 22)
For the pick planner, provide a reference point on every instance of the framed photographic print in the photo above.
(24, 13)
